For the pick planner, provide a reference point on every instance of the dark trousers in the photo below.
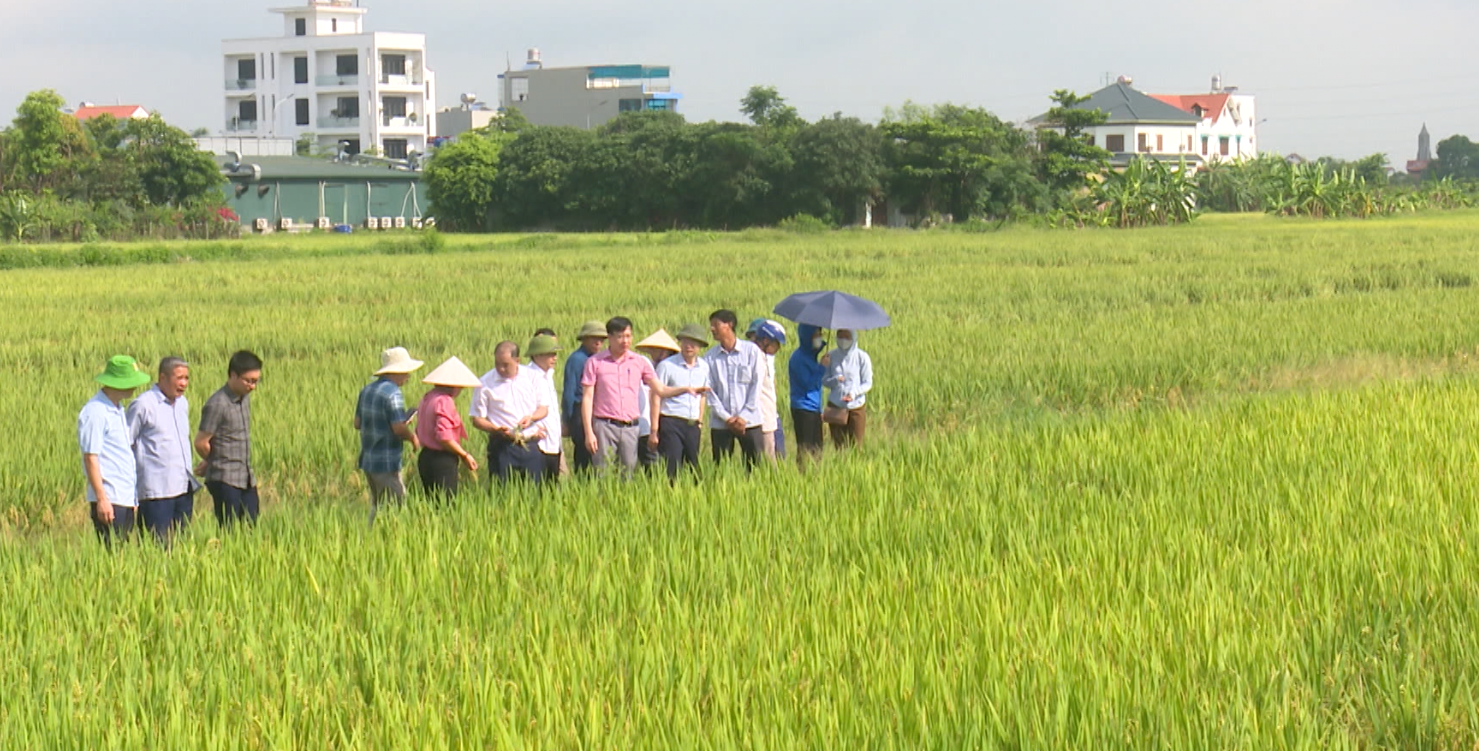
(581, 456)
(438, 470)
(647, 456)
(121, 528)
(807, 426)
(750, 445)
(677, 440)
(780, 439)
(165, 516)
(551, 466)
(233, 504)
(507, 459)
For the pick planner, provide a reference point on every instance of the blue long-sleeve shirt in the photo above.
(570, 394)
(851, 374)
(806, 372)
(734, 383)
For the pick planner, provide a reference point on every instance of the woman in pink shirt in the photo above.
(440, 430)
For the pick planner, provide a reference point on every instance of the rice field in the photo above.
(1197, 487)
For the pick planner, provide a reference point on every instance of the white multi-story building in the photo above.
(1227, 126)
(328, 77)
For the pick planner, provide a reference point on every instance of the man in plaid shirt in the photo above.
(381, 419)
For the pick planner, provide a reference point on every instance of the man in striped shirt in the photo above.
(736, 369)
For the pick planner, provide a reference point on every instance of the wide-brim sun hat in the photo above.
(452, 373)
(544, 344)
(659, 339)
(397, 360)
(122, 372)
(695, 332)
(591, 329)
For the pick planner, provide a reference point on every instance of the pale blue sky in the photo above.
(1339, 77)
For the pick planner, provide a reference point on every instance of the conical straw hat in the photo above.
(660, 339)
(452, 373)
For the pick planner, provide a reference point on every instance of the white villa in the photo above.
(1227, 126)
(327, 76)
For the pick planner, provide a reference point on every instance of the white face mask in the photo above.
(817, 343)
(844, 343)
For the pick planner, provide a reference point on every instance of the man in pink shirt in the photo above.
(611, 401)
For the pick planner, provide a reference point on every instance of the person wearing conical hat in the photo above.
(659, 345)
(440, 430)
(108, 464)
(384, 428)
(592, 337)
(680, 418)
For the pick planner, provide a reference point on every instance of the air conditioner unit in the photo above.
(324, 223)
(372, 223)
(416, 222)
(400, 222)
(430, 221)
(285, 224)
(385, 222)
(261, 224)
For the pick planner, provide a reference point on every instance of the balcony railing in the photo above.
(401, 123)
(350, 79)
(241, 126)
(338, 122)
(392, 80)
(241, 84)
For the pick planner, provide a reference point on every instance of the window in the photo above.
(395, 148)
(300, 27)
(661, 105)
(1188, 144)
(301, 105)
(1160, 143)
(246, 111)
(395, 106)
(348, 107)
(1089, 139)
(346, 65)
(1204, 145)
(300, 70)
(1222, 144)
(1115, 144)
(351, 146)
(334, 24)
(518, 89)
(629, 105)
(1140, 144)
(393, 65)
(246, 70)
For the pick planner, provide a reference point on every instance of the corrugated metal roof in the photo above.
(291, 167)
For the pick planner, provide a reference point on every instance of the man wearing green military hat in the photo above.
(592, 337)
(108, 464)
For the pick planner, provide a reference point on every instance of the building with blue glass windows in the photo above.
(585, 96)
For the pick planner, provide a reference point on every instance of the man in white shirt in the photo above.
(543, 352)
(508, 406)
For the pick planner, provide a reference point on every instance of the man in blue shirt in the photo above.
(107, 454)
(592, 338)
(381, 419)
(736, 368)
(159, 428)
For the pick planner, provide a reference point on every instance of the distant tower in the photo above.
(1424, 147)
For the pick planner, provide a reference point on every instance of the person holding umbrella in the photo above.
(849, 379)
(808, 367)
(849, 370)
(440, 430)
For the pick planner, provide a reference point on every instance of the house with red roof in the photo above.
(121, 111)
(1227, 126)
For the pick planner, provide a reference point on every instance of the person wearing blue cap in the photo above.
(770, 336)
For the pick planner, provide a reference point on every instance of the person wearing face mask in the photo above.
(849, 379)
(808, 368)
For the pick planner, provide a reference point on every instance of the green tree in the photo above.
(1458, 158)
(533, 186)
(839, 164)
(171, 170)
(50, 146)
(767, 108)
(460, 181)
(1066, 156)
(958, 160)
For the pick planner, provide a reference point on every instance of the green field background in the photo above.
(1199, 487)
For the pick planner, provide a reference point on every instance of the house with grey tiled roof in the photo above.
(1138, 125)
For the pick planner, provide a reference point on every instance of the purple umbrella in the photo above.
(830, 309)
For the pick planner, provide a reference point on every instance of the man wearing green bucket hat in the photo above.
(592, 337)
(107, 452)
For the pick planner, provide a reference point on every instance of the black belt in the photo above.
(684, 420)
(619, 423)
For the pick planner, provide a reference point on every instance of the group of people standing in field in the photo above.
(623, 406)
